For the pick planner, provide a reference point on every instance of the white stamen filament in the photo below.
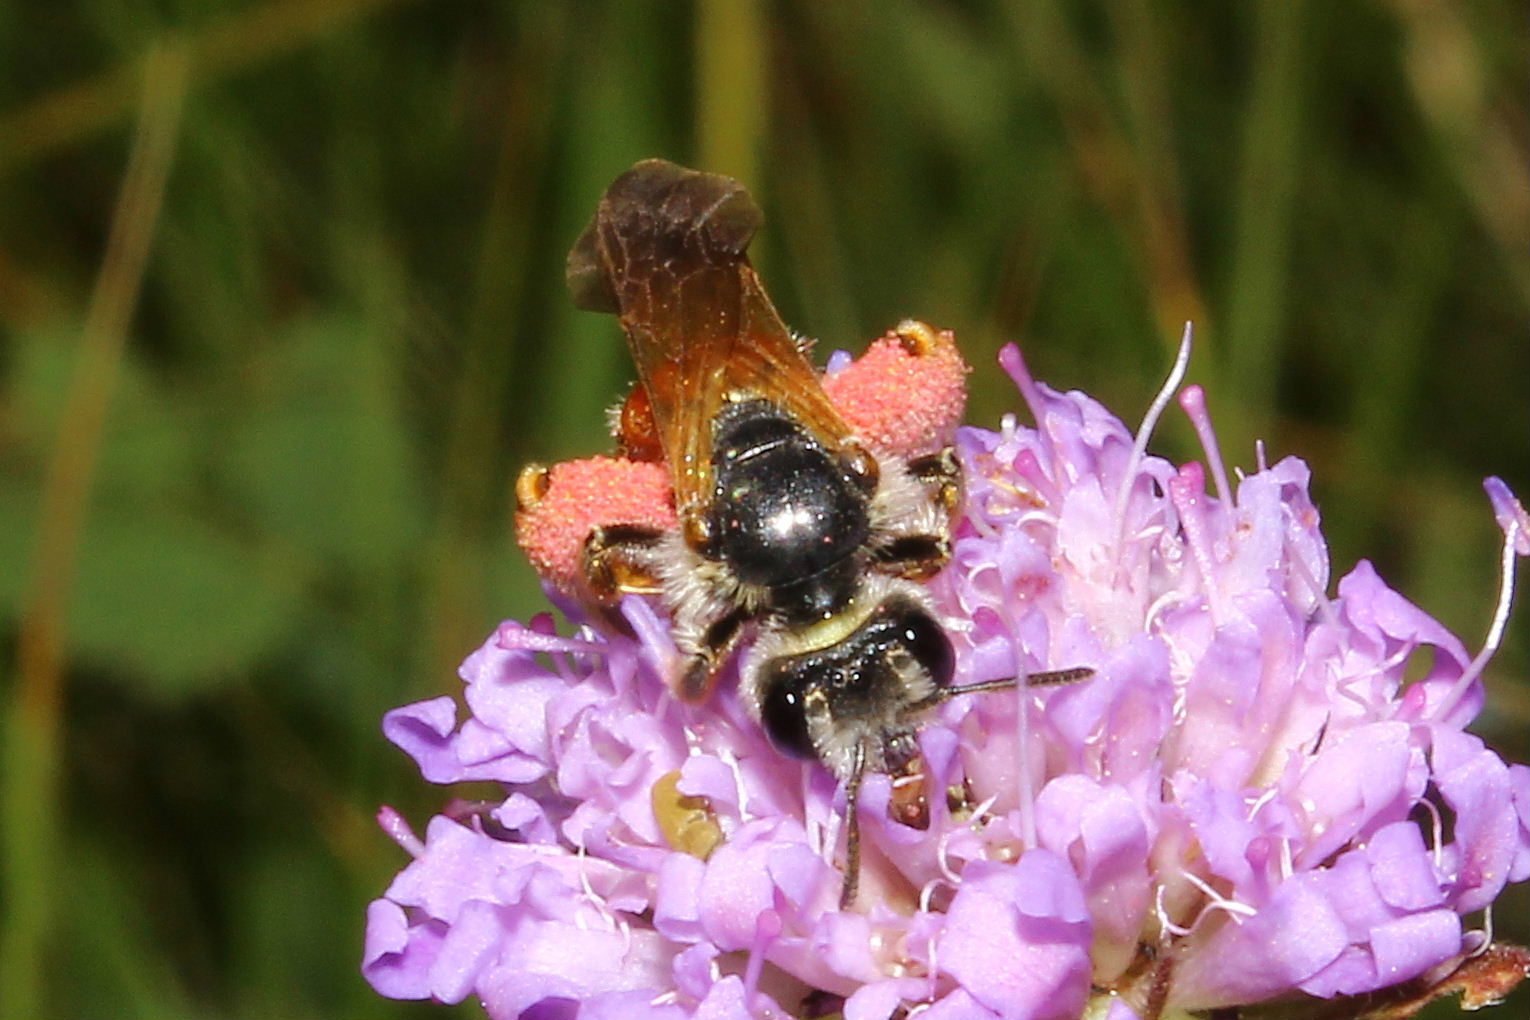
(1163, 916)
(1235, 909)
(943, 846)
(1161, 603)
(731, 760)
(1487, 932)
(1264, 798)
(1145, 432)
(1495, 631)
(1436, 831)
(927, 891)
(602, 909)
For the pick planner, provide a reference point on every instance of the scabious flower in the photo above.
(1250, 802)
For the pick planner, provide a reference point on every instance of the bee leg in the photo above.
(853, 829)
(909, 804)
(709, 654)
(941, 474)
(622, 559)
(916, 557)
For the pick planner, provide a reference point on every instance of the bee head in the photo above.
(863, 690)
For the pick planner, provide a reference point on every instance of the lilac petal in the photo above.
(1362, 779)
(1100, 831)
(642, 1004)
(958, 1005)
(1289, 940)
(1117, 721)
(800, 876)
(727, 1001)
(843, 942)
(740, 881)
(1017, 937)
(1392, 953)
(451, 872)
(1222, 827)
(397, 957)
(1411, 945)
(704, 775)
(1218, 696)
(1519, 780)
(1390, 622)
(875, 1000)
(734, 890)
(467, 953)
(1119, 1010)
(677, 913)
(423, 730)
(1401, 866)
(553, 1009)
(515, 709)
(1489, 831)
(535, 962)
(526, 817)
(694, 970)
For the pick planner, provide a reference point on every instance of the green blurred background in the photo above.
(257, 437)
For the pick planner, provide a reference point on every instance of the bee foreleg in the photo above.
(709, 653)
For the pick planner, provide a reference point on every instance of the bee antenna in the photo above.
(1052, 678)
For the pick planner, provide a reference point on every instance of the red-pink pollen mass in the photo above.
(584, 494)
(899, 402)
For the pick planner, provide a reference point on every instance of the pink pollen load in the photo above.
(585, 494)
(903, 403)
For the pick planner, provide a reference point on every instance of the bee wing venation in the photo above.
(666, 252)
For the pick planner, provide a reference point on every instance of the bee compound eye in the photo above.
(927, 642)
(783, 708)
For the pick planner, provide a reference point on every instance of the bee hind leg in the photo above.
(622, 559)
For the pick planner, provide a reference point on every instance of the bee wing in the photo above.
(666, 253)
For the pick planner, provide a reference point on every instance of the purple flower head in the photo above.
(1247, 802)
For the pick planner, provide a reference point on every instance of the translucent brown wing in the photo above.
(665, 252)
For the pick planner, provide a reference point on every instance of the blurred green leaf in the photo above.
(113, 961)
(174, 603)
(320, 461)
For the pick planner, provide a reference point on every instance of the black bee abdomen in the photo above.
(785, 508)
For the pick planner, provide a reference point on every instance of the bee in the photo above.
(791, 534)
